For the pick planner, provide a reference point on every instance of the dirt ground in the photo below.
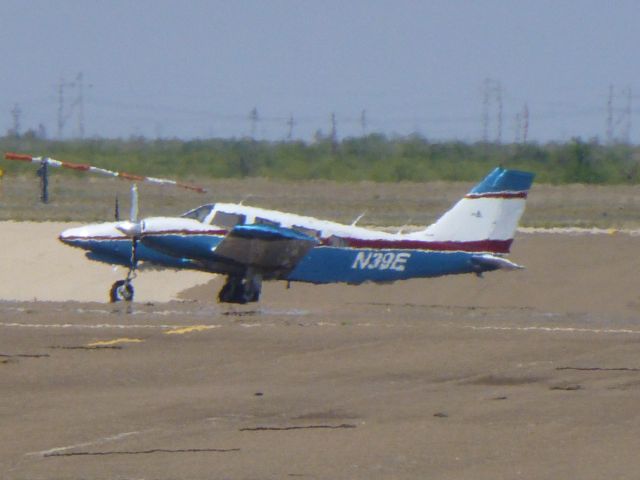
(529, 374)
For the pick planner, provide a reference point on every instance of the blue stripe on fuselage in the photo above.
(118, 251)
(334, 264)
(321, 265)
(194, 246)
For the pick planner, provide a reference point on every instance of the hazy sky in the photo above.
(190, 69)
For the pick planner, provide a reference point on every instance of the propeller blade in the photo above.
(133, 216)
(132, 228)
(83, 167)
(116, 212)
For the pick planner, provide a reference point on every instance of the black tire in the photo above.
(233, 291)
(121, 290)
(251, 291)
(224, 295)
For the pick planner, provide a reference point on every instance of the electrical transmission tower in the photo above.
(334, 134)
(363, 122)
(290, 123)
(76, 106)
(16, 113)
(522, 125)
(625, 117)
(492, 107)
(254, 118)
(619, 119)
(525, 124)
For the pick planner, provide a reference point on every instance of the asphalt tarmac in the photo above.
(527, 374)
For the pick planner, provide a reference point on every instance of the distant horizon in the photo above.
(617, 123)
(467, 71)
(33, 134)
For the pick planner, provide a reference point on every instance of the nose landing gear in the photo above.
(122, 290)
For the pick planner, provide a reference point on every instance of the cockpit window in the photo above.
(228, 220)
(266, 221)
(307, 231)
(199, 214)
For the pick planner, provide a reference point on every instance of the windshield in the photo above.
(199, 213)
(228, 220)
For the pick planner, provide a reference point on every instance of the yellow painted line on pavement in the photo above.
(193, 328)
(116, 341)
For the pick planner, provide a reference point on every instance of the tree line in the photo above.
(373, 157)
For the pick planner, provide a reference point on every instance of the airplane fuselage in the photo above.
(329, 264)
(249, 244)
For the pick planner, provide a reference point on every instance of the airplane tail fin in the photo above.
(486, 219)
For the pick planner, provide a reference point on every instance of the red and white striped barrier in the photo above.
(83, 167)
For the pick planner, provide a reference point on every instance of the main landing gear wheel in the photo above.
(240, 290)
(122, 290)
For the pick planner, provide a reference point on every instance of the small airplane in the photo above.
(250, 244)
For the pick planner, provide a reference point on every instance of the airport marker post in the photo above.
(43, 173)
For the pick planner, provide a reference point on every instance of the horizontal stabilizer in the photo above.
(485, 263)
(265, 247)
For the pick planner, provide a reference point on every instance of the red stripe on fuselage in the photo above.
(494, 246)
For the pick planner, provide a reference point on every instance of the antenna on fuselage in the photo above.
(358, 219)
(407, 223)
(246, 197)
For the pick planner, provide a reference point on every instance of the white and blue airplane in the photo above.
(249, 244)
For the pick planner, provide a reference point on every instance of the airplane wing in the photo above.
(265, 247)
